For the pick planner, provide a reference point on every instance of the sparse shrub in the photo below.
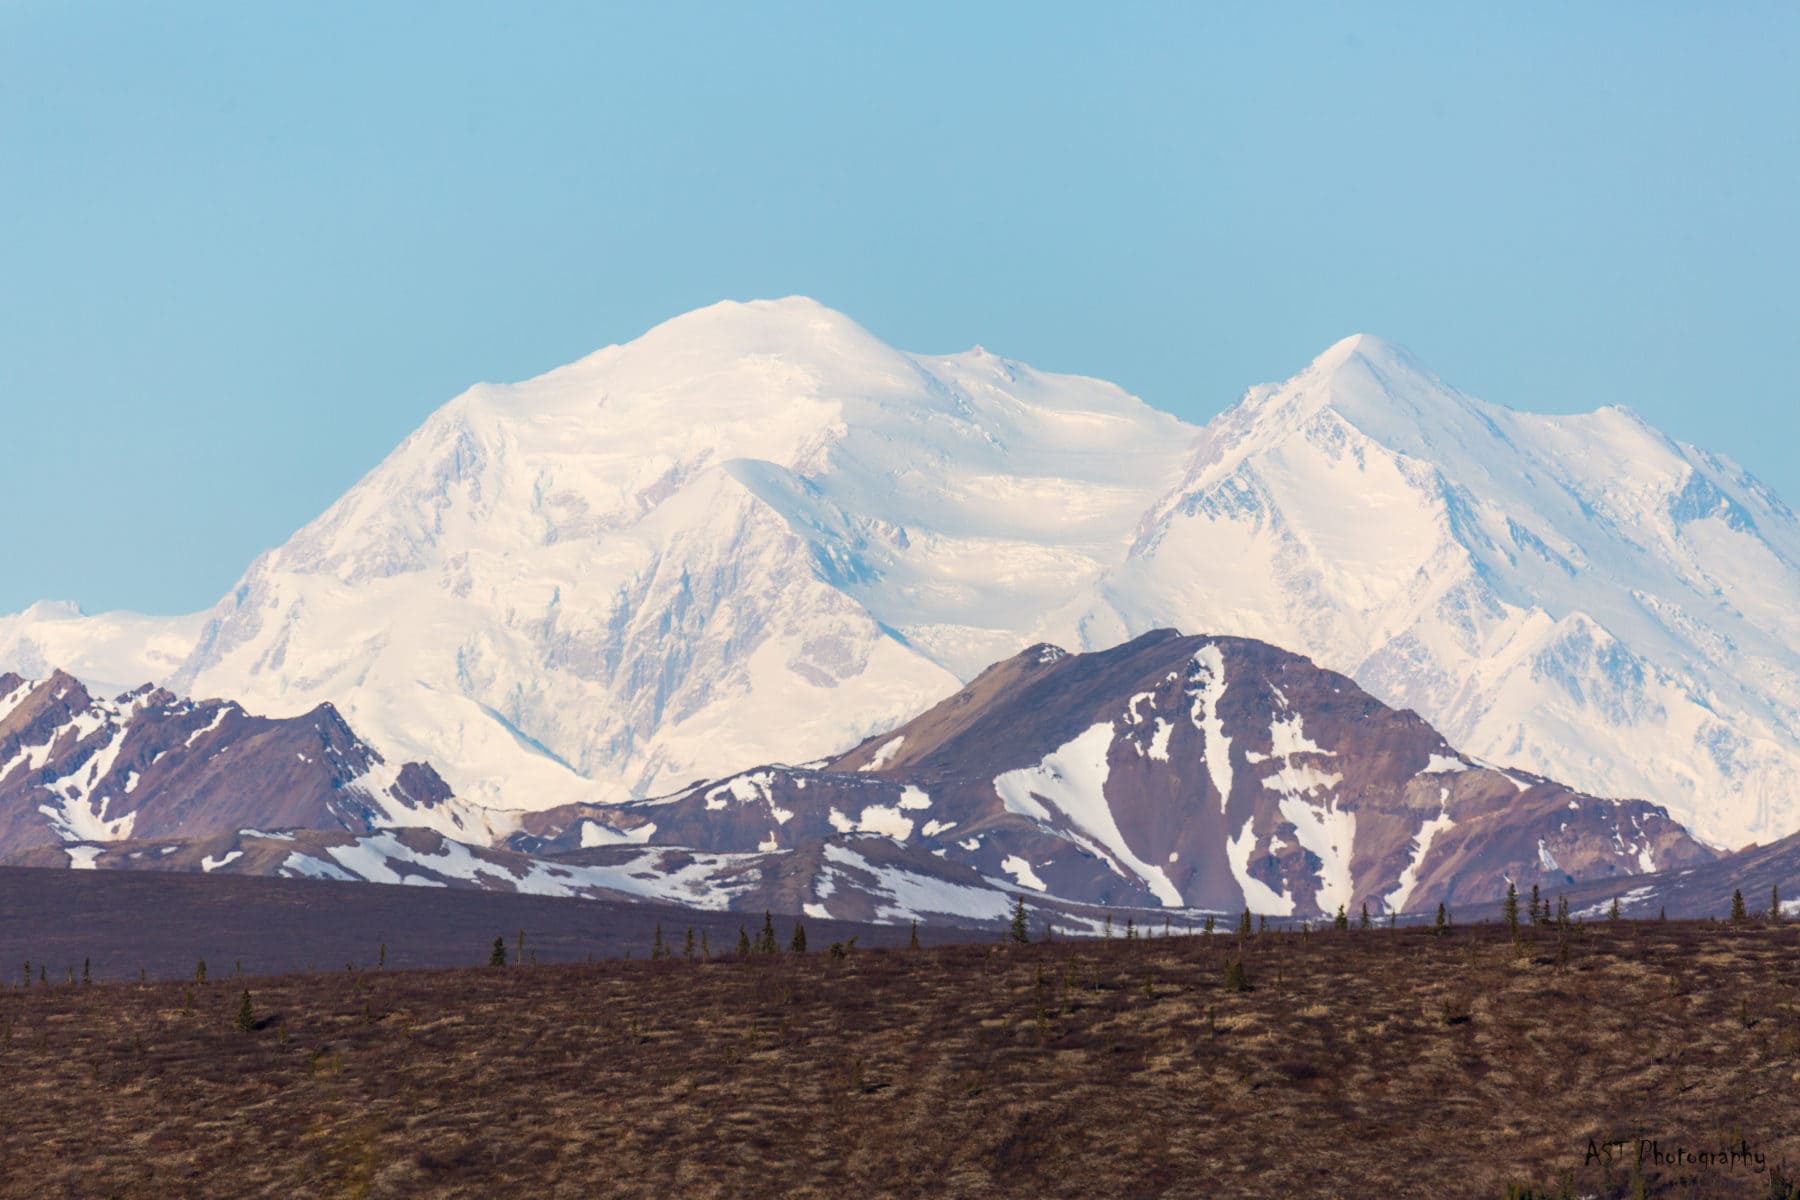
(87, 974)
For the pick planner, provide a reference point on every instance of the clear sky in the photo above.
(245, 248)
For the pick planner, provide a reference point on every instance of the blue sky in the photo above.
(247, 248)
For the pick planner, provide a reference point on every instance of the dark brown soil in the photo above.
(1359, 1064)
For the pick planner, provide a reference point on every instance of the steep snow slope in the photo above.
(757, 532)
(754, 528)
(1580, 595)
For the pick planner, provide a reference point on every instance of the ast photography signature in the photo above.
(1656, 1152)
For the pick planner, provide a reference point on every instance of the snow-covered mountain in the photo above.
(1181, 772)
(78, 772)
(758, 533)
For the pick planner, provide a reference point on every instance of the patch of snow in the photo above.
(1443, 764)
(210, 864)
(1159, 740)
(594, 833)
(1072, 780)
(934, 827)
(1021, 870)
(1546, 859)
(882, 754)
(1206, 684)
(1259, 897)
(914, 798)
(1396, 900)
(82, 858)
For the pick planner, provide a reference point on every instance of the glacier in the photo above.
(758, 533)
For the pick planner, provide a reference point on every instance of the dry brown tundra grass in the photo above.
(1359, 1064)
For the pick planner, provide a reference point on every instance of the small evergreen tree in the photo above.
(1019, 932)
(765, 942)
(87, 975)
(1364, 923)
(246, 1015)
(1511, 908)
(498, 957)
(1536, 918)
(1206, 926)
(1244, 924)
(1236, 978)
(519, 950)
(1774, 904)
(687, 945)
(1107, 930)
(743, 943)
(1262, 922)
(797, 943)
(912, 942)
(1130, 930)
(1342, 920)
(1738, 915)
(1662, 914)
(657, 949)
(1612, 914)
(1442, 925)
(200, 971)
(381, 956)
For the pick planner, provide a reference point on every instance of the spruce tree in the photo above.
(246, 1015)
(1511, 908)
(765, 942)
(1130, 930)
(912, 942)
(87, 975)
(797, 943)
(743, 943)
(687, 945)
(1443, 920)
(200, 971)
(1364, 923)
(1019, 932)
(1107, 931)
(1738, 915)
(1244, 924)
(498, 957)
(1342, 920)
(1536, 919)
(657, 950)
(1206, 926)
(1774, 904)
(1612, 914)
(519, 950)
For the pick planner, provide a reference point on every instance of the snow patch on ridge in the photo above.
(1206, 684)
(1396, 900)
(1072, 780)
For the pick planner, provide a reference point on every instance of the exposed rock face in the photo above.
(76, 769)
(1181, 772)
